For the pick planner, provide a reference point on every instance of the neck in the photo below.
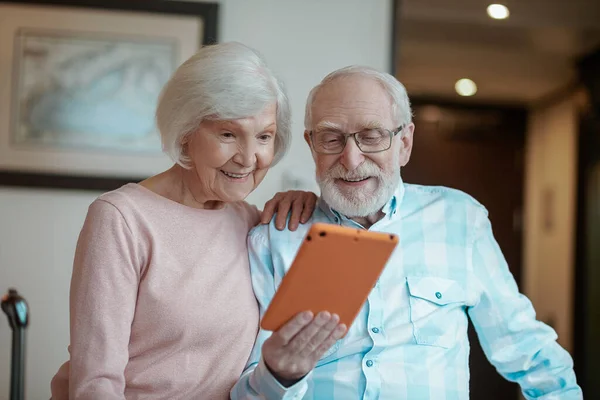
(189, 194)
(369, 220)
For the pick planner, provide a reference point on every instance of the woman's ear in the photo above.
(185, 149)
(185, 143)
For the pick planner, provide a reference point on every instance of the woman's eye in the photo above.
(265, 138)
(227, 135)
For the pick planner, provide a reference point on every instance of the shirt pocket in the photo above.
(436, 309)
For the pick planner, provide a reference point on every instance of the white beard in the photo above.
(358, 202)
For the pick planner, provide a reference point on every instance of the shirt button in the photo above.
(438, 295)
(369, 363)
(375, 330)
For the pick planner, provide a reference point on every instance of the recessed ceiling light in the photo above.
(498, 11)
(465, 87)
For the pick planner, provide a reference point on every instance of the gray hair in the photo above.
(401, 110)
(224, 81)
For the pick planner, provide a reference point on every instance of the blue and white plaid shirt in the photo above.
(410, 339)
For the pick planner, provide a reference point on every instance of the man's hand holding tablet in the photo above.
(321, 294)
(294, 350)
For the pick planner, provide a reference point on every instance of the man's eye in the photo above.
(331, 138)
(372, 135)
(371, 138)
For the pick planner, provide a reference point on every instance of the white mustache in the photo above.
(366, 169)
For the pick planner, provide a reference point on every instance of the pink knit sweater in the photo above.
(161, 300)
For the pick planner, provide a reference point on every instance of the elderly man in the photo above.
(410, 339)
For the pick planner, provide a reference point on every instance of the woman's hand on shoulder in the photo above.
(301, 204)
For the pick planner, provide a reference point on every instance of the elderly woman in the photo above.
(161, 300)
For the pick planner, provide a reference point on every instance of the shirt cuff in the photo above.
(270, 387)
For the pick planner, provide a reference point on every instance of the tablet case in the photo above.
(334, 270)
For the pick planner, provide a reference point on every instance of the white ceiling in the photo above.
(519, 60)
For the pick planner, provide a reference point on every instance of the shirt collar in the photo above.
(389, 209)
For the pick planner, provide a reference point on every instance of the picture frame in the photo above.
(79, 82)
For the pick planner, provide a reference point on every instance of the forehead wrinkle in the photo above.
(247, 124)
(370, 124)
(270, 125)
(230, 124)
(351, 108)
(366, 108)
(369, 119)
(327, 125)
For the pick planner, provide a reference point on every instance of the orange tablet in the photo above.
(334, 270)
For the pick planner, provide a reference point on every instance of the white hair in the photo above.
(224, 81)
(401, 110)
(357, 202)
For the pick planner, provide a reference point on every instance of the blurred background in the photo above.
(506, 105)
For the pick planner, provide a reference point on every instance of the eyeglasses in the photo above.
(368, 140)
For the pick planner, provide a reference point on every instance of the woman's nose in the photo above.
(246, 157)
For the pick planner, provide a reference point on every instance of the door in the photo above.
(587, 271)
(587, 265)
(478, 150)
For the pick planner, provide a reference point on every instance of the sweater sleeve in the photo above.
(103, 295)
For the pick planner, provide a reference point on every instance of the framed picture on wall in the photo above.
(79, 83)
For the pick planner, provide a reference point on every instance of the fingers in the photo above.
(309, 208)
(287, 332)
(282, 212)
(297, 209)
(301, 204)
(270, 209)
(294, 350)
(305, 337)
(322, 334)
(335, 335)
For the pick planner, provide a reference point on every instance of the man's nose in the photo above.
(351, 157)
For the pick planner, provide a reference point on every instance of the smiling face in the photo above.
(354, 183)
(230, 158)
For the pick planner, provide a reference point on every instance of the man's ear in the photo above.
(407, 144)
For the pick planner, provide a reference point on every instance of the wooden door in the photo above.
(478, 150)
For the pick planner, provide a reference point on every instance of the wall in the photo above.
(550, 187)
(302, 40)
